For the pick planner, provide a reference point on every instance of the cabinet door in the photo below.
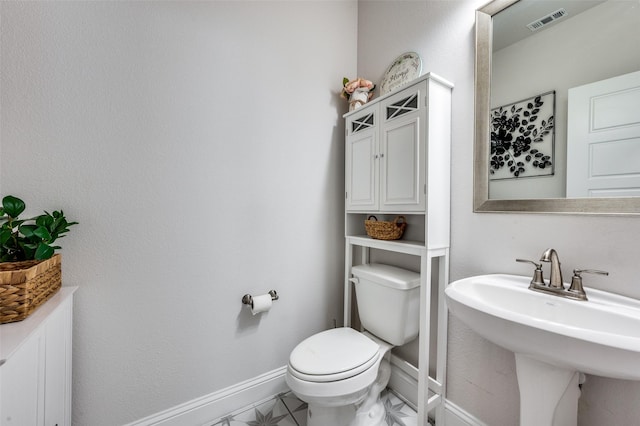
(402, 152)
(58, 368)
(20, 382)
(361, 161)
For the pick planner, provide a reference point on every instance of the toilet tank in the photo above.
(388, 301)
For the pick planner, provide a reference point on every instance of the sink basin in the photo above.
(553, 337)
(600, 336)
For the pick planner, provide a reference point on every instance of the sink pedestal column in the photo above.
(548, 394)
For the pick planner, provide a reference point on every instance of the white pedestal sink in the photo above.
(553, 338)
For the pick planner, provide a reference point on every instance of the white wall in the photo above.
(200, 146)
(481, 376)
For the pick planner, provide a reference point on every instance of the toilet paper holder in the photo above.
(247, 299)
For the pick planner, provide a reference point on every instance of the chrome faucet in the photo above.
(555, 278)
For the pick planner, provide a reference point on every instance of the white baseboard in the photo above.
(404, 381)
(456, 416)
(206, 409)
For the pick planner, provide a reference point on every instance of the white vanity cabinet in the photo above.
(35, 370)
(385, 153)
(398, 162)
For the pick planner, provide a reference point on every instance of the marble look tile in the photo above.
(287, 410)
(270, 413)
(398, 413)
(297, 408)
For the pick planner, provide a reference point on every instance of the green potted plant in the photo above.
(30, 270)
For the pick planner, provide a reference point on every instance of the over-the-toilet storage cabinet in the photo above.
(35, 370)
(397, 162)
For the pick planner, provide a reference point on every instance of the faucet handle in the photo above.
(589, 271)
(537, 274)
(576, 281)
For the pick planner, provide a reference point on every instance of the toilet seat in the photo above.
(333, 355)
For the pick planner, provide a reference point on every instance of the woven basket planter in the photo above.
(382, 230)
(26, 285)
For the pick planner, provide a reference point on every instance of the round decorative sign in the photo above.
(404, 69)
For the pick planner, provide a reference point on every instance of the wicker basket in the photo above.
(26, 285)
(381, 230)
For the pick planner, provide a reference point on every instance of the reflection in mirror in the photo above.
(558, 106)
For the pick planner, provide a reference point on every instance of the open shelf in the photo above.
(416, 248)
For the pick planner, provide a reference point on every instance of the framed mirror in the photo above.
(531, 107)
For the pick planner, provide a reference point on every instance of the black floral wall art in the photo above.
(522, 138)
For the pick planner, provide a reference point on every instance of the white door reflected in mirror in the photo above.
(603, 138)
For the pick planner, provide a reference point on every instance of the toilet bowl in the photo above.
(340, 372)
(336, 372)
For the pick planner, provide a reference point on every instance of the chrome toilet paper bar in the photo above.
(247, 299)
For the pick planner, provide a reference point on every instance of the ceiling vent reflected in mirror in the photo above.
(515, 22)
(546, 20)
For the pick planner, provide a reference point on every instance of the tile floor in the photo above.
(287, 410)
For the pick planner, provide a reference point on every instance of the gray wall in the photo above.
(200, 146)
(481, 376)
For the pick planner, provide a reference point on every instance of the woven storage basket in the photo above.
(381, 230)
(26, 285)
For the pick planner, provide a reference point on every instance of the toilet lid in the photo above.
(334, 354)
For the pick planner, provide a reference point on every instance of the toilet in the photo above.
(340, 372)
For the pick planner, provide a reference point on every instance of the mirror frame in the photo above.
(481, 202)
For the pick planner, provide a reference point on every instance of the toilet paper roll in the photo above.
(261, 303)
